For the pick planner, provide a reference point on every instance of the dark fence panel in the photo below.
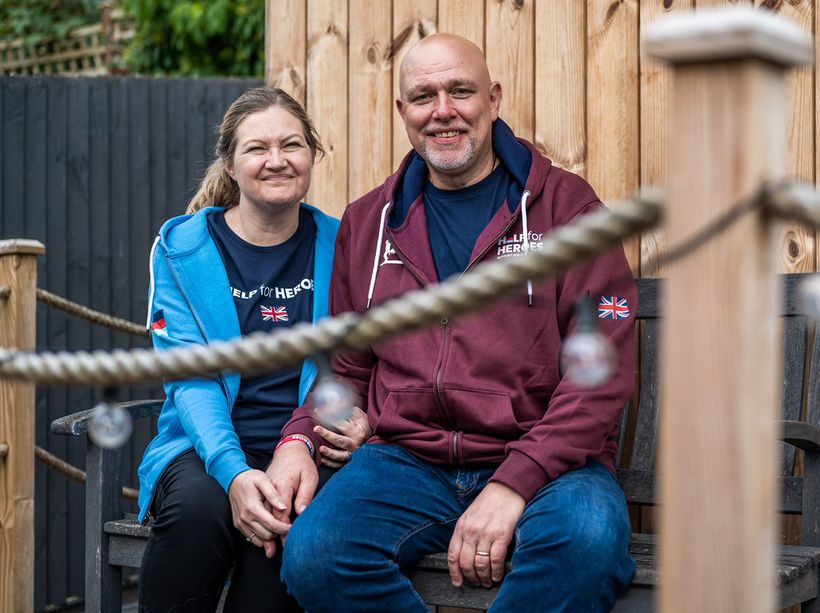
(92, 167)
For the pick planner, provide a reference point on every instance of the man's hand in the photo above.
(353, 433)
(252, 494)
(478, 548)
(294, 477)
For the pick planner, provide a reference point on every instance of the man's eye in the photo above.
(421, 98)
(462, 93)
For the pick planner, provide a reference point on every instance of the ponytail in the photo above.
(217, 189)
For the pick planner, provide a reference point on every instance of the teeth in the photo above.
(446, 134)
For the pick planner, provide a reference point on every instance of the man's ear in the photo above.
(495, 98)
(400, 107)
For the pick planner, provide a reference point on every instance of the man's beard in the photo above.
(449, 160)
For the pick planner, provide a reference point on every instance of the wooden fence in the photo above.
(89, 50)
(91, 167)
(576, 82)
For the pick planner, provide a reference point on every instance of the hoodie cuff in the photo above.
(226, 466)
(304, 426)
(521, 473)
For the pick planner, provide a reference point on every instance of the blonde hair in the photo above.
(217, 186)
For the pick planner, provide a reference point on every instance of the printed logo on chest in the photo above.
(513, 244)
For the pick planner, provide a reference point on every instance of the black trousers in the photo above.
(194, 544)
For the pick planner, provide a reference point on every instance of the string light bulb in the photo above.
(110, 425)
(587, 357)
(809, 296)
(332, 400)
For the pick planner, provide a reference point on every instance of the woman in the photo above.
(259, 261)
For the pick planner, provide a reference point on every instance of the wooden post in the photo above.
(721, 339)
(18, 273)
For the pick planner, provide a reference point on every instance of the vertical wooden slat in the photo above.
(509, 47)
(654, 104)
(613, 162)
(35, 227)
(370, 99)
(327, 101)
(18, 272)
(285, 45)
(55, 262)
(79, 252)
(462, 17)
(560, 99)
(13, 144)
(412, 21)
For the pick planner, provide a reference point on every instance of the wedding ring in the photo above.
(482, 553)
(253, 534)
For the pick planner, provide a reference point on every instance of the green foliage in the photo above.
(37, 20)
(190, 38)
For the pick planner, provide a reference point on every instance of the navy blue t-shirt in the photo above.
(272, 288)
(457, 217)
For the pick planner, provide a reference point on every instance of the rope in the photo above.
(78, 310)
(262, 352)
(72, 472)
(794, 200)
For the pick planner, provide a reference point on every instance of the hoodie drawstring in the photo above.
(377, 256)
(524, 197)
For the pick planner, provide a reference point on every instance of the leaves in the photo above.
(197, 38)
(36, 21)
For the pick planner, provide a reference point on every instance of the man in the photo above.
(479, 446)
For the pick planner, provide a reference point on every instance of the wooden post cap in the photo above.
(21, 246)
(726, 34)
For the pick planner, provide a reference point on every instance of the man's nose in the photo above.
(443, 107)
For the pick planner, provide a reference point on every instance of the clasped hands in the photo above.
(261, 501)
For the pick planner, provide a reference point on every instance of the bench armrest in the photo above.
(77, 423)
(802, 435)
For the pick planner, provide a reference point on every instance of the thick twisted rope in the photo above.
(261, 352)
(78, 310)
(72, 472)
(794, 200)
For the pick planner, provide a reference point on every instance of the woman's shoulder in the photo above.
(184, 231)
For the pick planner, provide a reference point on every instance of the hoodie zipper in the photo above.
(480, 256)
(445, 322)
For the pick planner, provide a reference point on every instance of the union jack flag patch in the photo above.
(274, 314)
(612, 307)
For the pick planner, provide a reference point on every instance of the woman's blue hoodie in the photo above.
(190, 294)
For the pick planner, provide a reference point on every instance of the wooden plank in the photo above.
(159, 129)
(560, 105)
(285, 45)
(34, 205)
(78, 238)
(510, 51)
(327, 99)
(198, 158)
(55, 264)
(370, 100)
(797, 242)
(13, 143)
(462, 17)
(178, 167)
(412, 21)
(613, 167)
(719, 350)
(654, 101)
(140, 234)
(17, 329)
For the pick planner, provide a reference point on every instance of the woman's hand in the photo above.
(252, 495)
(352, 434)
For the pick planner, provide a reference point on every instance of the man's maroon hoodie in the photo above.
(483, 388)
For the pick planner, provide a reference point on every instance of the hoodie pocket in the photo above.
(409, 411)
(481, 411)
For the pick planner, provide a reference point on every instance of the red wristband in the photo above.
(296, 437)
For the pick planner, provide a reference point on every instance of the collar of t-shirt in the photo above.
(456, 218)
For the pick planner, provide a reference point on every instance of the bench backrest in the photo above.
(637, 472)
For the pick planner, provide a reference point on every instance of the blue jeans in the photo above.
(387, 509)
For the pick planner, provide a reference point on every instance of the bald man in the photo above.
(480, 447)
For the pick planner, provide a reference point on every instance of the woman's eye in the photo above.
(293, 146)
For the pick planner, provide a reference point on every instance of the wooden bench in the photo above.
(113, 542)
